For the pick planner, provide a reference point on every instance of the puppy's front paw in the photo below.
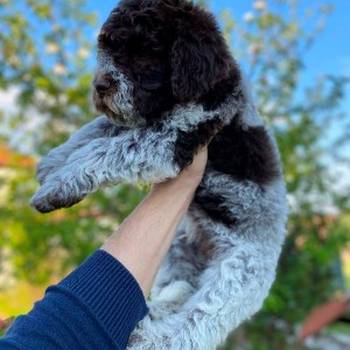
(49, 165)
(56, 194)
(43, 171)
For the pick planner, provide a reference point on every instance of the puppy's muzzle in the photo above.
(104, 83)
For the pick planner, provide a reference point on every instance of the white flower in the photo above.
(44, 98)
(260, 5)
(51, 48)
(248, 17)
(41, 95)
(269, 107)
(83, 53)
(59, 69)
(62, 99)
(14, 61)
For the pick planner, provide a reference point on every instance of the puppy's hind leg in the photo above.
(237, 278)
(178, 277)
(230, 291)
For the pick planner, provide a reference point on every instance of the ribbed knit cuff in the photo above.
(110, 292)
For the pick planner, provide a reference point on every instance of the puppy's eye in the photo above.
(155, 75)
(152, 80)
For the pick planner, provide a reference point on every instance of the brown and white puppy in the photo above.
(167, 84)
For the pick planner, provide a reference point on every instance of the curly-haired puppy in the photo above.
(167, 84)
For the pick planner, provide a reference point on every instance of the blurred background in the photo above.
(297, 60)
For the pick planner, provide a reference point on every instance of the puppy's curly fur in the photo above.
(167, 84)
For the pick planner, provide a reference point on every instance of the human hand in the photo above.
(192, 175)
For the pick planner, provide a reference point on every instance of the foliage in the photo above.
(45, 65)
(46, 69)
(274, 45)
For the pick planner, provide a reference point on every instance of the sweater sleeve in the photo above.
(97, 306)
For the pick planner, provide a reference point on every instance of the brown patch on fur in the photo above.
(245, 153)
(214, 206)
(204, 247)
(188, 143)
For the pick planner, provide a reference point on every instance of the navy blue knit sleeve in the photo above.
(97, 306)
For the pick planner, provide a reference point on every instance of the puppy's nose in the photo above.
(102, 86)
(103, 83)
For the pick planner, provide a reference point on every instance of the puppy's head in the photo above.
(155, 54)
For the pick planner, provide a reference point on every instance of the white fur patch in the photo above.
(122, 101)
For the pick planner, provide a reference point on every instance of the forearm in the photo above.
(143, 240)
(95, 307)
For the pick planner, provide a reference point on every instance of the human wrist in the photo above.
(182, 187)
(189, 178)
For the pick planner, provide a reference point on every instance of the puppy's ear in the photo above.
(198, 63)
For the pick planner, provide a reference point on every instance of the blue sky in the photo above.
(330, 54)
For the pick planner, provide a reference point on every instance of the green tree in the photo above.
(46, 54)
(273, 40)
